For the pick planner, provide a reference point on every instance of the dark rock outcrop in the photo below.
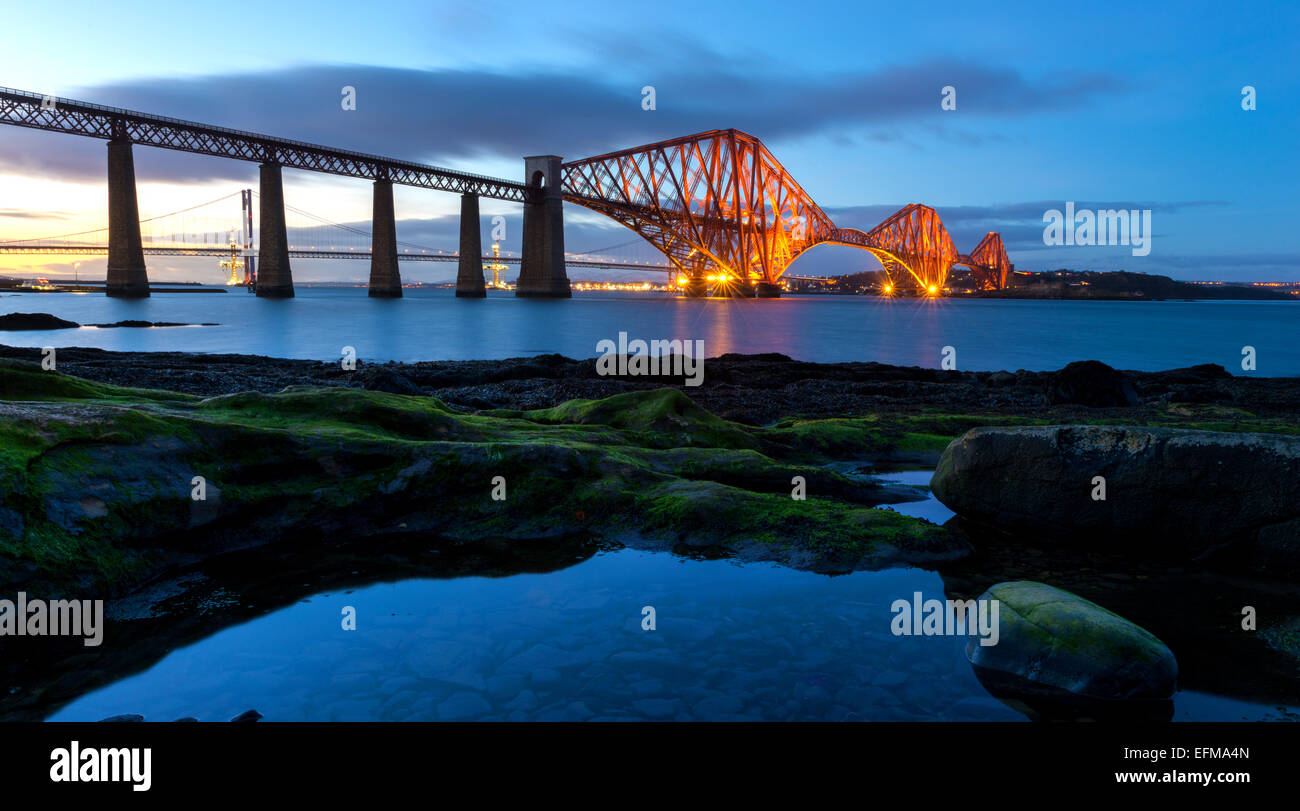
(150, 324)
(24, 321)
(1090, 383)
(383, 378)
(752, 389)
(1165, 491)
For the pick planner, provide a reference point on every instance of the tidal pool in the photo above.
(731, 642)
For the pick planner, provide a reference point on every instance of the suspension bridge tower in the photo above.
(233, 265)
(498, 268)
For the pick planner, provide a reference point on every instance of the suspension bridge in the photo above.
(223, 229)
(718, 205)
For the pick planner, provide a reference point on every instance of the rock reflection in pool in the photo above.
(929, 508)
(732, 642)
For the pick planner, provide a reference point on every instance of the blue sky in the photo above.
(1106, 104)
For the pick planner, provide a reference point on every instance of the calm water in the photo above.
(732, 642)
(434, 325)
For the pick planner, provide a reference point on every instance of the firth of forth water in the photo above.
(431, 324)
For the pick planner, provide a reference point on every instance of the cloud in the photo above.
(460, 117)
(24, 214)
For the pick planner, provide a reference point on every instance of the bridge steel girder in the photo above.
(24, 109)
(913, 239)
(989, 262)
(915, 235)
(718, 197)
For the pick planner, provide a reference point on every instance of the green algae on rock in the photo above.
(1057, 641)
(97, 480)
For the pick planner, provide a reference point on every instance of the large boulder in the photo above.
(1165, 490)
(1090, 383)
(1053, 642)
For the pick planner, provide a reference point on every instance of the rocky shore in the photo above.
(535, 462)
(104, 487)
(14, 322)
(102, 454)
(750, 389)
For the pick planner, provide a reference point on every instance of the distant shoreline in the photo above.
(1245, 294)
(1079, 285)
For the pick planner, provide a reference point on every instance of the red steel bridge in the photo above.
(717, 204)
(719, 199)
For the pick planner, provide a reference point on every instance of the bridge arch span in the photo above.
(720, 202)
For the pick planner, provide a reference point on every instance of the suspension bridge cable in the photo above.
(350, 228)
(609, 247)
(105, 228)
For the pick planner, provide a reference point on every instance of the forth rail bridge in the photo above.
(718, 205)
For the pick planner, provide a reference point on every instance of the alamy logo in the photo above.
(657, 357)
(917, 617)
(90, 765)
(25, 617)
(1102, 227)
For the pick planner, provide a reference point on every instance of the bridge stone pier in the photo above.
(767, 290)
(127, 277)
(469, 272)
(274, 279)
(541, 269)
(385, 277)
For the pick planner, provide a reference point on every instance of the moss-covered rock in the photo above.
(659, 418)
(1057, 641)
(97, 480)
(22, 380)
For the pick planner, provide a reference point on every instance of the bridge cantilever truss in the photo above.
(989, 262)
(720, 199)
(913, 240)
